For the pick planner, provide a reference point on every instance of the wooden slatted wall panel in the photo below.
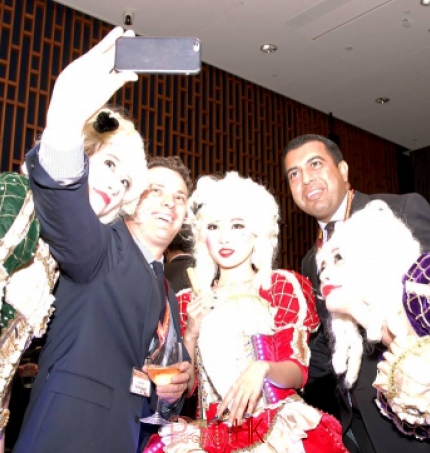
(215, 121)
(371, 160)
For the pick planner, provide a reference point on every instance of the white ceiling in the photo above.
(334, 55)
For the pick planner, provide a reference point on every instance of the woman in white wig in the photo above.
(374, 275)
(247, 327)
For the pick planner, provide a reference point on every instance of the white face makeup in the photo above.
(332, 278)
(116, 176)
(362, 265)
(230, 242)
(341, 285)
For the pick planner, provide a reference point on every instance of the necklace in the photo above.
(233, 289)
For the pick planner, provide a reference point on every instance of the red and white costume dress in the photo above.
(272, 325)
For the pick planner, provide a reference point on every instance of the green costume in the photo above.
(24, 309)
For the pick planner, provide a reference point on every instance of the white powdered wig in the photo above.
(234, 197)
(377, 249)
(348, 347)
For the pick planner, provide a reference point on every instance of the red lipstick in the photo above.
(105, 197)
(225, 253)
(327, 289)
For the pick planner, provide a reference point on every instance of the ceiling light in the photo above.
(269, 48)
(425, 2)
(382, 100)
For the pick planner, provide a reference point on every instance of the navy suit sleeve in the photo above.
(416, 212)
(68, 224)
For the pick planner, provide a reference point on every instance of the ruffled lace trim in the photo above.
(286, 433)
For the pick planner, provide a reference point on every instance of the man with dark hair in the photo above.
(174, 163)
(330, 146)
(111, 300)
(318, 179)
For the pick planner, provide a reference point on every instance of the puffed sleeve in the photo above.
(296, 317)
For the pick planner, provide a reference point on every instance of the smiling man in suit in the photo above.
(318, 179)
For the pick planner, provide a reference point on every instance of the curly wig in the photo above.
(216, 197)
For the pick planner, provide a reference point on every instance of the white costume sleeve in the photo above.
(64, 164)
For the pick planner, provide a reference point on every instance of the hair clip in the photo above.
(105, 123)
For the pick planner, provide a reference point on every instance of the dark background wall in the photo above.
(420, 171)
(214, 121)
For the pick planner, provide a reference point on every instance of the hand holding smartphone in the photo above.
(158, 55)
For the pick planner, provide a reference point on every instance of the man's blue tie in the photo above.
(159, 274)
(330, 229)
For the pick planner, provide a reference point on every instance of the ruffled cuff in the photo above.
(64, 163)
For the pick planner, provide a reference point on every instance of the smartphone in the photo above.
(158, 55)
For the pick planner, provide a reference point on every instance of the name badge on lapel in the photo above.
(140, 383)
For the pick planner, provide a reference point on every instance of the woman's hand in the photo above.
(197, 309)
(404, 378)
(84, 86)
(243, 395)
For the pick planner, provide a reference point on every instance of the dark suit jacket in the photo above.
(415, 212)
(106, 312)
(175, 272)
